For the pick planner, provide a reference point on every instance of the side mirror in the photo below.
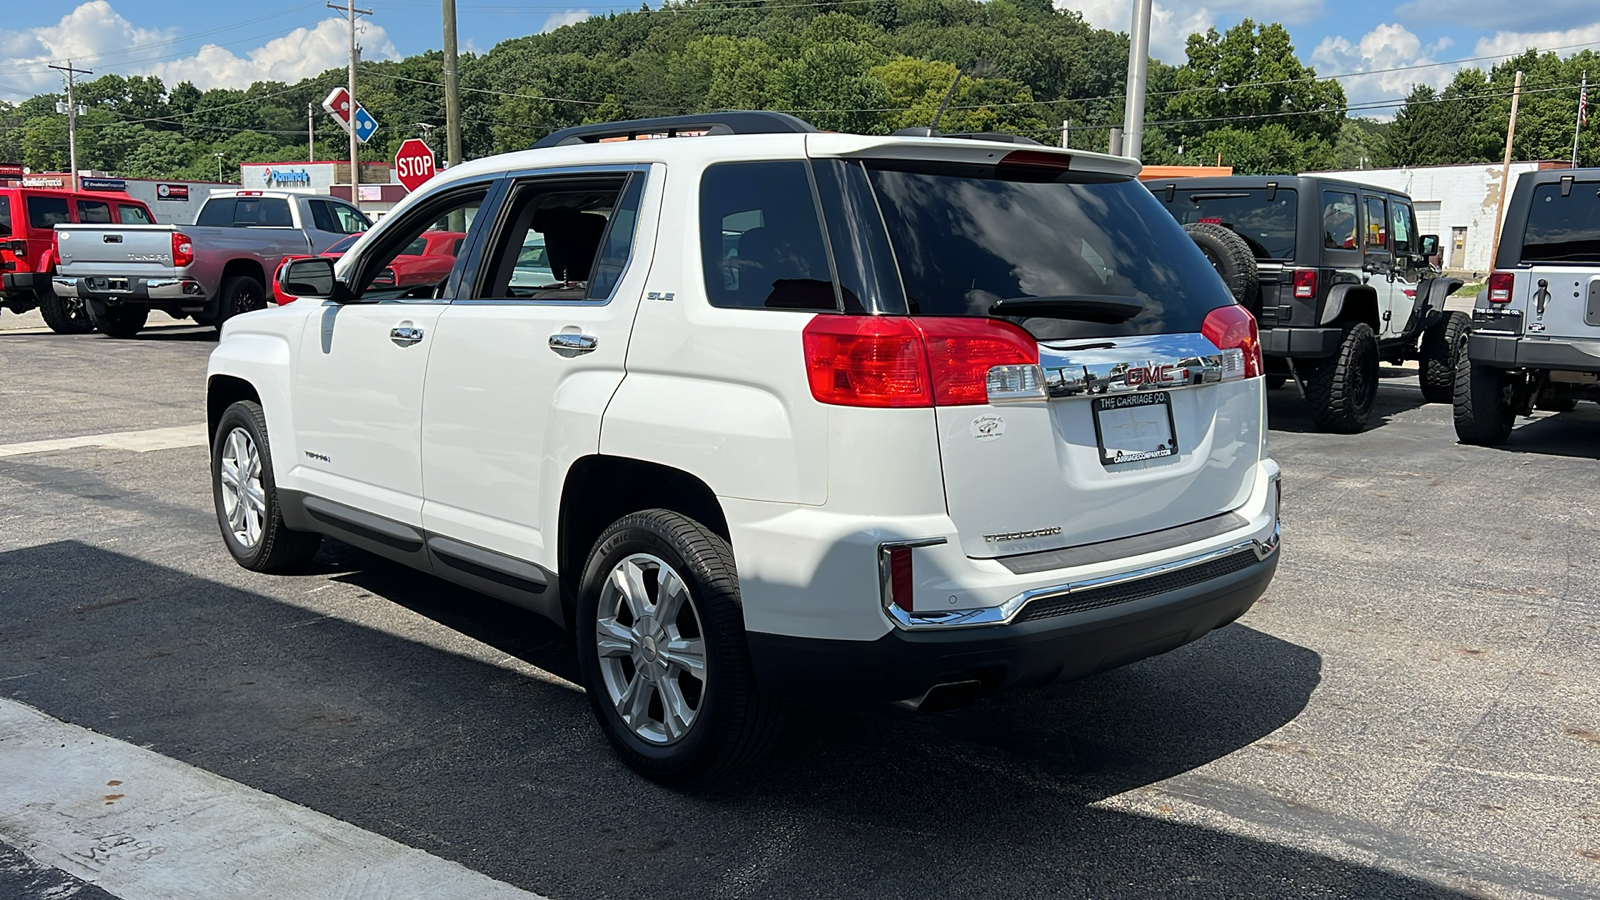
(1428, 245)
(311, 277)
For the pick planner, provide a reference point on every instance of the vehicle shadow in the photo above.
(1398, 392)
(175, 332)
(397, 725)
(1570, 434)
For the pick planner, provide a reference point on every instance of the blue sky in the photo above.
(230, 44)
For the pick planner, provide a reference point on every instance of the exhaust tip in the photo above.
(949, 696)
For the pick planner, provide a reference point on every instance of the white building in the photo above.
(1457, 203)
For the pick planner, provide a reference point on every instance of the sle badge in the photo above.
(988, 428)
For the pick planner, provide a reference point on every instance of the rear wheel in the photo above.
(246, 496)
(1230, 256)
(64, 315)
(1343, 388)
(1437, 358)
(1485, 402)
(121, 321)
(661, 643)
(240, 294)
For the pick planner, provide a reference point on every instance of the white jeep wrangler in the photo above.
(760, 412)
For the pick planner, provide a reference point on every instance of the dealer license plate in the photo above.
(1134, 427)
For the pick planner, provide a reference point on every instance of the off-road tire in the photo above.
(1437, 357)
(279, 549)
(1230, 256)
(64, 315)
(1343, 388)
(239, 294)
(1485, 402)
(121, 321)
(734, 722)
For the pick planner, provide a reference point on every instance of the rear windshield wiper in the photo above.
(1082, 307)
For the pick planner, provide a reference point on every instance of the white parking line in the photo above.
(140, 825)
(137, 441)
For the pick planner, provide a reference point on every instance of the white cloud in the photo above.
(94, 35)
(570, 17)
(1381, 51)
(1169, 28)
(1513, 42)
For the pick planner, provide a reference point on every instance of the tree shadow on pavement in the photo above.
(508, 774)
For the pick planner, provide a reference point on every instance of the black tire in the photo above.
(1485, 402)
(732, 721)
(1437, 358)
(1343, 388)
(121, 321)
(277, 548)
(240, 294)
(64, 315)
(1276, 381)
(1230, 256)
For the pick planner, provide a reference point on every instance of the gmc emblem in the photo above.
(1163, 374)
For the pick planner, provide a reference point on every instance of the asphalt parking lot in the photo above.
(1413, 709)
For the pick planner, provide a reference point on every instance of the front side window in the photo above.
(133, 215)
(47, 212)
(966, 237)
(1563, 229)
(94, 212)
(760, 240)
(1401, 227)
(1338, 220)
(1377, 224)
(389, 272)
(1268, 226)
(348, 219)
(563, 239)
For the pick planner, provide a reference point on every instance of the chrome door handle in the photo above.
(574, 343)
(405, 336)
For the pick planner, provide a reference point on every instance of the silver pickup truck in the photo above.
(216, 268)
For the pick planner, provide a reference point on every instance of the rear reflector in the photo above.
(900, 577)
(1305, 284)
(1233, 328)
(1499, 287)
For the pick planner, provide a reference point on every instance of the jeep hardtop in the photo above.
(1535, 340)
(1337, 278)
(761, 412)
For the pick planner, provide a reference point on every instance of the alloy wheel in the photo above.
(244, 501)
(652, 649)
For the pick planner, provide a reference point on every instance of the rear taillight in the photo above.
(890, 361)
(1233, 328)
(1305, 284)
(1499, 287)
(182, 250)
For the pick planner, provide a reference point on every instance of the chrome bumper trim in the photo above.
(155, 288)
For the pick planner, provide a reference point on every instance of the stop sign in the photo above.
(413, 162)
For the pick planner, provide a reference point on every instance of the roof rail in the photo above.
(735, 122)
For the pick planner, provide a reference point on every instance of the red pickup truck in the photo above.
(28, 217)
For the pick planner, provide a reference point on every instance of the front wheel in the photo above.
(662, 648)
(246, 495)
(1343, 388)
(121, 321)
(1437, 357)
(1485, 402)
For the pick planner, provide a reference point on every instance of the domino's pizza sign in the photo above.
(286, 177)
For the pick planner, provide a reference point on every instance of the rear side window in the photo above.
(263, 212)
(217, 213)
(5, 215)
(1563, 229)
(133, 215)
(1377, 224)
(1338, 220)
(966, 237)
(618, 243)
(94, 212)
(47, 212)
(760, 240)
(1268, 226)
(321, 218)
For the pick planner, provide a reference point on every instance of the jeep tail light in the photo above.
(1305, 284)
(898, 576)
(892, 361)
(182, 250)
(962, 353)
(1233, 328)
(1499, 287)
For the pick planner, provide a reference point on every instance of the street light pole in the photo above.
(1138, 65)
(219, 166)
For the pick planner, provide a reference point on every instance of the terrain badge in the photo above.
(988, 428)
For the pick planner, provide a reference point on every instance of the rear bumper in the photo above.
(1520, 352)
(904, 664)
(185, 291)
(1300, 342)
(21, 285)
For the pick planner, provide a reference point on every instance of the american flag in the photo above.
(1583, 104)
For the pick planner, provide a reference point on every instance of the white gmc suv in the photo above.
(760, 412)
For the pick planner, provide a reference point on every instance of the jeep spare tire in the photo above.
(1230, 256)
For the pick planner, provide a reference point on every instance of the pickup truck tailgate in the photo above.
(121, 251)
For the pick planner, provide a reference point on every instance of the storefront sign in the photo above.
(286, 177)
(172, 192)
(102, 184)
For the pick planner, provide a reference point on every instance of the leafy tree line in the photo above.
(869, 66)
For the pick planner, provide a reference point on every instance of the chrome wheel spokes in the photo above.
(244, 500)
(652, 648)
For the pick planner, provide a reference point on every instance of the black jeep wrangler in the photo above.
(1337, 278)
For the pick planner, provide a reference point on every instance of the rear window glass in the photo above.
(1563, 229)
(47, 212)
(761, 241)
(1268, 226)
(94, 212)
(133, 215)
(965, 241)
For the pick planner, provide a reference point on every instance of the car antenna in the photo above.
(948, 96)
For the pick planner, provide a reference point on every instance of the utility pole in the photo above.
(72, 118)
(452, 91)
(1138, 65)
(1583, 115)
(1505, 169)
(311, 135)
(355, 55)
(1066, 133)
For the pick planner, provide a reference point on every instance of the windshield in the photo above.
(966, 238)
(1563, 229)
(343, 244)
(1267, 226)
